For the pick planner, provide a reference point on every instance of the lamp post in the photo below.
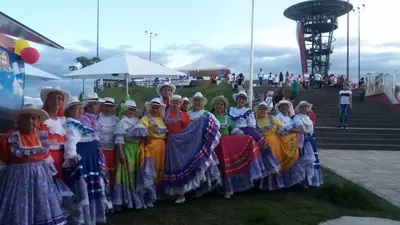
(98, 28)
(251, 57)
(150, 35)
(348, 43)
(359, 38)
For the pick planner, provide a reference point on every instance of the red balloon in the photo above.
(30, 55)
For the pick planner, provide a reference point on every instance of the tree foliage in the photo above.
(83, 62)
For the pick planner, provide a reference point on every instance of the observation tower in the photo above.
(316, 21)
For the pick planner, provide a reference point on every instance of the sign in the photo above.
(12, 76)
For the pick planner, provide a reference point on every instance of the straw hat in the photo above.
(199, 95)
(75, 101)
(176, 98)
(32, 110)
(185, 99)
(128, 104)
(267, 103)
(44, 93)
(303, 103)
(240, 93)
(109, 101)
(166, 84)
(91, 97)
(283, 102)
(154, 101)
(220, 98)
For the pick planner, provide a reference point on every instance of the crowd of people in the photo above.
(74, 161)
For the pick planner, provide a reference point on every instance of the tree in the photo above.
(83, 62)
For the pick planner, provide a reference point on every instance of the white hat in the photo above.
(221, 98)
(154, 101)
(166, 84)
(75, 101)
(31, 109)
(267, 103)
(240, 93)
(44, 93)
(283, 102)
(199, 95)
(108, 101)
(185, 99)
(128, 104)
(176, 98)
(91, 97)
(303, 103)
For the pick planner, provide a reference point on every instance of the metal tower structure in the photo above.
(316, 21)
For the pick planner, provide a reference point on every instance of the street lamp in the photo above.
(359, 38)
(348, 43)
(151, 35)
(251, 94)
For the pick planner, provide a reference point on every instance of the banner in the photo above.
(12, 76)
(302, 47)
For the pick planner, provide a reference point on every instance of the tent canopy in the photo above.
(33, 73)
(202, 64)
(116, 67)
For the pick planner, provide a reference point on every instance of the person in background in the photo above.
(363, 89)
(306, 78)
(281, 78)
(318, 80)
(295, 87)
(260, 77)
(270, 79)
(279, 95)
(345, 104)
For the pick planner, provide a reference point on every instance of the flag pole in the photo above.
(251, 94)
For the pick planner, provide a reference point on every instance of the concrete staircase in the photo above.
(371, 125)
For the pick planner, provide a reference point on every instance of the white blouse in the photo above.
(74, 136)
(122, 131)
(304, 120)
(56, 127)
(195, 115)
(107, 131)
(243, 117)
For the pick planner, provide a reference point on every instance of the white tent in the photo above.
(123, 67)
(33, 73)
(120, 66)
(202, 64)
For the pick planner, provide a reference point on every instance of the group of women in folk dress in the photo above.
(73, 161)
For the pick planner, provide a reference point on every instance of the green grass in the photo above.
(141, 94)
(337, 197)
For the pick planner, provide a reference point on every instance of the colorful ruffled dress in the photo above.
(154, 130)
(107, 144)
(245, 123)
(88, 180)
(191, 163)
(309, 153)
(240, 159)
(28, 194)
(284, 146)
(134, 186)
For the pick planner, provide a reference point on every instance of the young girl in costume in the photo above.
(185, 105)
(245, 124)
(28, 194)
(239, 157)
(309, 153)
(284, 147)
(152, 129)
(85, 162)
(191, 164)
(91, 115)
(108, 121)
(134, 186)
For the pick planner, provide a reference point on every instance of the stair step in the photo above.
(358, 124)
(356, 134)
(349, 146)
(352, 140)
(351, 130)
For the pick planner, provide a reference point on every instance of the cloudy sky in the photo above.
(218, 30)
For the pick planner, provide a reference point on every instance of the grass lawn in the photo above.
(337, 197)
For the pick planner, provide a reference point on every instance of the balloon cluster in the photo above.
(28, 54)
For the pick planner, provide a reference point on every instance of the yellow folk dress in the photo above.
(284, 147)
(154, 130)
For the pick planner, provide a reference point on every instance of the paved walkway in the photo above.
(377, 171)
(347, 220)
